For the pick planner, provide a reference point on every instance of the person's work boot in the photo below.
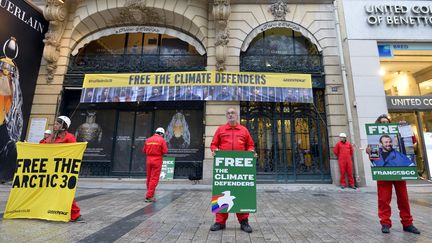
(217, 227)
(411, 229)
(150, 200)
(244, 225)
(80, 219)
(385, 229)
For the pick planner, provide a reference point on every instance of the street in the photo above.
(115, 211)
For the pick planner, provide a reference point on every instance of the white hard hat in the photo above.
(160, 130)
(342, 135)
(66, 120)
(48, 131)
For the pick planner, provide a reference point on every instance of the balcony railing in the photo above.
(282, 63)
(126, 63)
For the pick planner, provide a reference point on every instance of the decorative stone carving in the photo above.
(56, 13)
(136, 12)
(279, 10)
(221, 12)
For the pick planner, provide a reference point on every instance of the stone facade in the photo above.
(221, 31)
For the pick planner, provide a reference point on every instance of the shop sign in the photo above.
(409, 102)
(234, 182)
(207, 85)
(396, 20)
(400, 162)
(398, 14)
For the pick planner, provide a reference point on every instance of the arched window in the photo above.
(137, 52)
(281, 50)
(290, 138)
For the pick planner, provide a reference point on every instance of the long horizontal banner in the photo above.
(261, 87)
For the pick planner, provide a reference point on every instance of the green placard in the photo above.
(167, 172)
(394, 173)
(380, 169)
(234, 184)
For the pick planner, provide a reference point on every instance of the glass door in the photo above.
(143, 130)
(123, 143)
(133, 128)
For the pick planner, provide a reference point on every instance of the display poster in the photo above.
(167, 172)
(37, 127)
(427, 136)
(45, 181)
(386, 152)
(95, 128)
(234, 182)
(21, 46)
(183, 134)
(206, 85)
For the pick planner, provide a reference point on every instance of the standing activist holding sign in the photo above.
(61, 135)
(384, 189)
(154, 147)
(232, 136)
(344, 151)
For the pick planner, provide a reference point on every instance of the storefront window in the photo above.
(406, 69)
(421, 124)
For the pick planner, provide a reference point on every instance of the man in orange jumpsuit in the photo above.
(344, 151)
(154, 147)
(232, 136)
(61, 135)
(384, 191)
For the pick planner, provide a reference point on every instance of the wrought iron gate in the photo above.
(290, 139)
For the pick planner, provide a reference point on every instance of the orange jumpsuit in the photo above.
(154, 147)
(237, 138)
(66, 137)
(344, 152)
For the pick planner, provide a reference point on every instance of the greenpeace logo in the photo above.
(100, 81)
(402, 173)
(57, 212)
(293, 80)
(18, 211)
(248, 210)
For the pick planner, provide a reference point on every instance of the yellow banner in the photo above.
(45, 181)
(207, 78)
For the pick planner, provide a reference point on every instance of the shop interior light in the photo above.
(382, 72)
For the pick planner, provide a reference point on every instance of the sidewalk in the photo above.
(180, 184)
(115, 211)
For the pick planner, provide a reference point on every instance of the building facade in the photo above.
(387, 47)
(293, 140)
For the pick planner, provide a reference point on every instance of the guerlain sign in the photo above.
(399, 15)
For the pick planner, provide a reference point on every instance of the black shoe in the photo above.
(80, 219)
(385, 229)
(217, 227)
(353, 187)
(411, 229)
(342, 187)
(244, 225)
(150, 200)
